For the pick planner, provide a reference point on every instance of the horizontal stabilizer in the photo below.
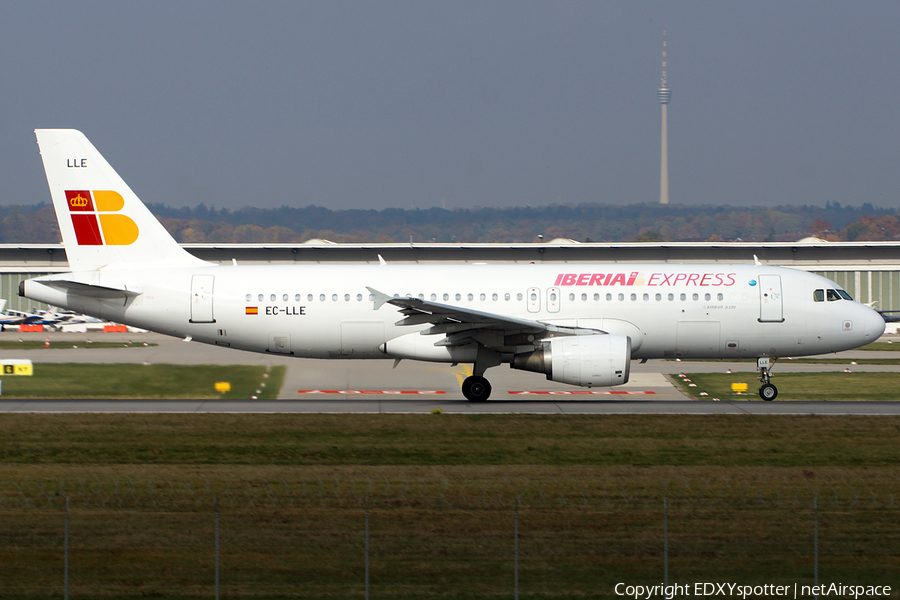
(89, 290)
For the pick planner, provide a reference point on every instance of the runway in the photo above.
(368, 405)
(338, 386)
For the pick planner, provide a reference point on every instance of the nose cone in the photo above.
(873, 325)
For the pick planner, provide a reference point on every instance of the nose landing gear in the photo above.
(767, 391)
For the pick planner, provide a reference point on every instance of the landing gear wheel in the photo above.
(476, 389)
(768, 392)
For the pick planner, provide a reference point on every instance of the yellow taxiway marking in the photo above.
(461, 372)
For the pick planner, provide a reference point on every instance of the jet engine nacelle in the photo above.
(585, 360)
(422, 347)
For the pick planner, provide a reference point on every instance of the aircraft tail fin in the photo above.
(101, 220)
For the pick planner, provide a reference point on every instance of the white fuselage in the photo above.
(326, 311)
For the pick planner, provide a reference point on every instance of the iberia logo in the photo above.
(96, 219)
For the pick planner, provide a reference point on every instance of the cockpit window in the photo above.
(831, 295)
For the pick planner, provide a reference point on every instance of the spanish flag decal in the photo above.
(96, 219)
(251, 310)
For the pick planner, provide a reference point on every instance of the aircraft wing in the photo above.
(463, 325)
(51, 317)
(8, 320)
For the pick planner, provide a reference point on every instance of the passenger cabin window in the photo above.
(818, 295)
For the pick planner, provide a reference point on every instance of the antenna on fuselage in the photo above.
(756, 260)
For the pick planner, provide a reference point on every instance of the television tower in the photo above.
(664, 94)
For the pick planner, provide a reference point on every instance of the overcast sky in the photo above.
(459, 104)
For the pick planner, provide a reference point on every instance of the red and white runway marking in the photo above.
(439, 392)
(584, 393)
(373, 392)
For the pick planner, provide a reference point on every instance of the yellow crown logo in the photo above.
(78, 201)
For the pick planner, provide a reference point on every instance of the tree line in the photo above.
(583, 223)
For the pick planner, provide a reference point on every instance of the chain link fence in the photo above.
(362, 535)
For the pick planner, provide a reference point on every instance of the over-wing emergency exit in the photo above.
(580, 324)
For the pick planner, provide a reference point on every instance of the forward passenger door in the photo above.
(771, 308)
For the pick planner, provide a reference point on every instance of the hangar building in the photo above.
(869, 271)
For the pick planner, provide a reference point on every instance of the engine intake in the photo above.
(586, 360)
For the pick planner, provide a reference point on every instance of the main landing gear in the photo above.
(767, 391)
(475, 387)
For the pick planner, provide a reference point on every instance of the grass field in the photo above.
(882, 346)
(58, 344)
(637, 441)
(292, 492)
(827, 386)
(82, 380)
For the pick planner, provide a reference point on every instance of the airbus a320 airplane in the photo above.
(580, 324)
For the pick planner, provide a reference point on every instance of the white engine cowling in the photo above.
(586, 360)
(422, 347)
